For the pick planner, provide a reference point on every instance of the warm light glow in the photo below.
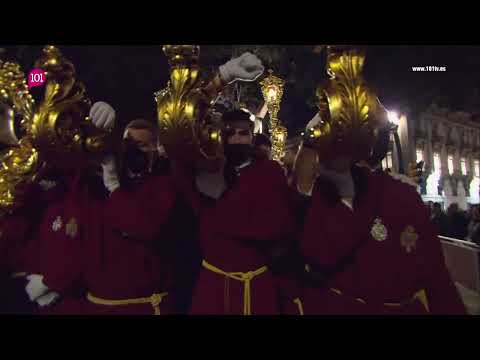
(393, 117)
(335, 104)
(189, 109)
(214, 135)
(272, 94)
(272, 90)
(280, 137)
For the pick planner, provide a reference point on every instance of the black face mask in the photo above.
(136, 160)
(161, 165)
(237, 154)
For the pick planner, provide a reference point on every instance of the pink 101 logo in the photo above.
(36, 78)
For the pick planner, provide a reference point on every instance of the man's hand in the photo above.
(247, 67)
(47, 299)
(109, 174)
(35, 287)
(103, 116)
(316, 120)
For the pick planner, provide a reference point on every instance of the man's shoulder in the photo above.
(151, 182)
(165, 179)
(263, 173)
(398, 188)
(267, 166)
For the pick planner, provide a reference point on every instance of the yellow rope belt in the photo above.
(420, 295)
(246, 278)
(19, 275)
(155, 300)
(299, 304)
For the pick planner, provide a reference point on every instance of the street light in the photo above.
(272, 90)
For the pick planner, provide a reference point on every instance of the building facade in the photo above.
(449, 144)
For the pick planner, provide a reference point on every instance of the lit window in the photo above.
(450, 164)
(384, 164)
(475, 184)
(387, 162)
(463, 165)
(432, 180)
(436, 163)
(419, 156)
(390, 160)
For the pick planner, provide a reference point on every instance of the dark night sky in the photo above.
(127, 76)
(389, 69)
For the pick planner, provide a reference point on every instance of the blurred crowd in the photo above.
(455, 222)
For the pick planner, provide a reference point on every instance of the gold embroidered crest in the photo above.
(71, 228)
(408, 239)
(379, 231)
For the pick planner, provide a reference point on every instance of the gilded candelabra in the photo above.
(272, 90)
(348, 109)
(57, 130)
(183, 109)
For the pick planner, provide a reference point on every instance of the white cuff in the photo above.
(48, 299)
(35, 287)
(110, 176)
(224, 74)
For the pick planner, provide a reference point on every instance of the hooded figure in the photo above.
(367, 239)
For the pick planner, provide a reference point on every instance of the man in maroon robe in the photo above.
(51, 259)
(16, 229)
(249, 214)
(128, 264)
(369, 244)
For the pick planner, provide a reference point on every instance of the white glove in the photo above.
(110, 175)
(247, 67)
(103, 115)
(48, 299)
(314, 122)
(35, 287)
